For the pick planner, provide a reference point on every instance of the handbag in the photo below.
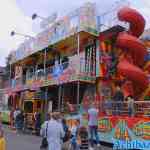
(67, 136)
(44, 143)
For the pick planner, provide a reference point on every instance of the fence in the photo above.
(139, 108)
(74, 67)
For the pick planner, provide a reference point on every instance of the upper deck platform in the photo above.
(61, 31)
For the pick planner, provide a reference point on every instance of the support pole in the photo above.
(46, 103)
(78, 94)
(59, 97)
(78, 82)
(78, 52)
(10, 76)
(45, 55)
(46, 88)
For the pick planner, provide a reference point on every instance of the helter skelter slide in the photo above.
(131, 63)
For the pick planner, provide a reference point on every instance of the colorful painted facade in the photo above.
(71, 64)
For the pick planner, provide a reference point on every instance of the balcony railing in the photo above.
(139, 108)
(110, 108)
(71, 67)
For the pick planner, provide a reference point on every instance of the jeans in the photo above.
(130, 111)
(74, 143)
(94, 135)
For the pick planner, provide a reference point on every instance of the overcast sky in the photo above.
(16, 15)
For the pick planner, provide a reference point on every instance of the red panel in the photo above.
(136, 20)
(133, 73)
(129, 42)
(133, 45)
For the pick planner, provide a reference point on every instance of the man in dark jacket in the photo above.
(118, 101)
(20, 122)
(37, 123)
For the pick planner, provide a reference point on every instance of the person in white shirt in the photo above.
(93, 126)
(55, 133)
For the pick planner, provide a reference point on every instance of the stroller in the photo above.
(80, 140)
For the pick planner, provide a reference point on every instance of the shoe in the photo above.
(98, 145)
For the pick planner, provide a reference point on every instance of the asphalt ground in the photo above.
(30, 142)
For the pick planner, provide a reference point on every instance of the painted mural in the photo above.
(113, 128)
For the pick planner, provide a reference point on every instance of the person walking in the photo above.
(15, 114)
(37, 123)
(66, 131)
(43, 132)
(12, 119)
(118, 100)
(67, 135)
(20, 122)
(55, 133)
(93, 126)
(25, 127)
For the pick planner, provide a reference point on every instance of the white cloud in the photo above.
(12, 18)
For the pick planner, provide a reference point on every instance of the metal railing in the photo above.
(54, 71)
(138, 108)
(111, 108)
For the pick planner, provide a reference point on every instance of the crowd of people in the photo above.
(55, 132)
(57, 135)
(19, 121)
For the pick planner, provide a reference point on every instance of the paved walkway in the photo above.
(26, 142)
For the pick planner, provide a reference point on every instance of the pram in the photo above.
(80, 140)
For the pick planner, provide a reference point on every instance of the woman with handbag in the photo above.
(53, 133)
(43, 133)
(44, 144)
